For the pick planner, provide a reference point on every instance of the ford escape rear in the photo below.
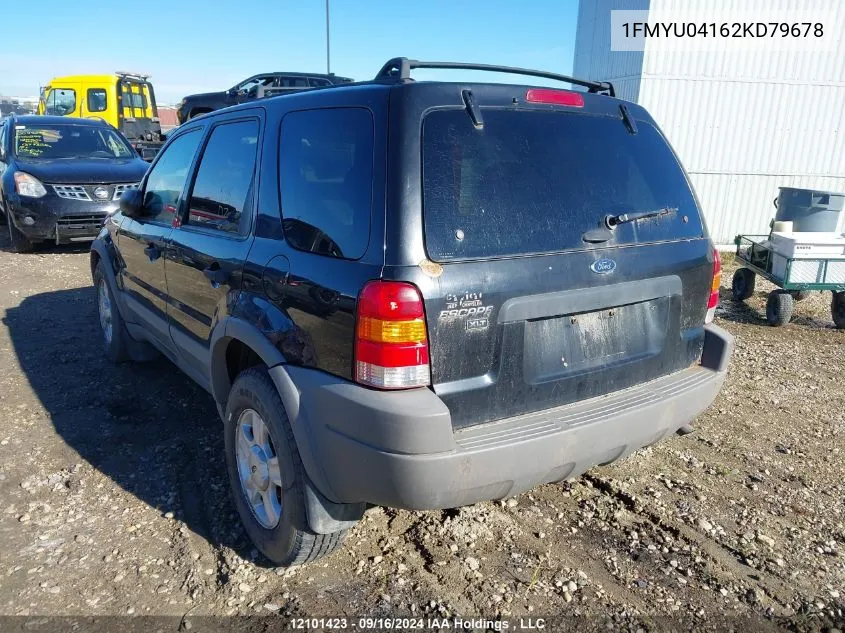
(418, 295)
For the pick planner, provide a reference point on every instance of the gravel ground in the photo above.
(113, 498)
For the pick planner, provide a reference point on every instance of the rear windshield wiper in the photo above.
(613, 220)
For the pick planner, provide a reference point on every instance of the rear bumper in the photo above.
(399, 450)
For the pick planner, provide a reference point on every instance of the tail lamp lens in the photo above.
(713, 301)
(391, 343)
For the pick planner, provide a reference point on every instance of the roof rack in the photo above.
(399, 69)
(131, 75)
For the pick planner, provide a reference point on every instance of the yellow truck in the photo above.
(125, 100)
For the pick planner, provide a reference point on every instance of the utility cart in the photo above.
(798, 263)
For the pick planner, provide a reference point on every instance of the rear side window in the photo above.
(96, 100)
(326, 180)
(534, 182)
(223, 190)
(293, 82)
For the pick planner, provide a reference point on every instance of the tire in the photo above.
(742, 285)
(837, 309)
(20, 242)
(779, 308)
(288, 541)
(115, 337)
(800, 295)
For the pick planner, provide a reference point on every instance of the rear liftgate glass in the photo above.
(575, 259)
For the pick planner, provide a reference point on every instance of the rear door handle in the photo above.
(216, 275)
(152, 251)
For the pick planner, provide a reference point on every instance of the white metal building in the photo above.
(743, 123)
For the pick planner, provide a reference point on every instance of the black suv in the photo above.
(256, 87)
(418, 294)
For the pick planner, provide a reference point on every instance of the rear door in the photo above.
(206, 252)
(142, 241)
(531, 311)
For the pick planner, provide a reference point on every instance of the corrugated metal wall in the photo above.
(593, 57)
(743, 123)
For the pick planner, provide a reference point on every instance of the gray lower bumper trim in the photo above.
(361, 445)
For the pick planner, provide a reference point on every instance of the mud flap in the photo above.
(327, 517)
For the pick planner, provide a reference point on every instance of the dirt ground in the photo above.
(113, 497)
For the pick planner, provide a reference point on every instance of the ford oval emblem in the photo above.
(603, 266)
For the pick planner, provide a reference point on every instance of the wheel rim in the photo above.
(104, 308)
(258, 469)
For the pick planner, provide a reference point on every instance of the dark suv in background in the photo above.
(418, 294)
(256, 87)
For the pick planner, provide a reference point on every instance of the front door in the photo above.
(206, 252)
(142, 241)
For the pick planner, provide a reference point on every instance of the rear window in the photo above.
(132, 99)
(534, 182)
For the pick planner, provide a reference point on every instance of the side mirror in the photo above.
(132, 203)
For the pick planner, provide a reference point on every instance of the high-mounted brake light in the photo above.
(391, 343)
(713, 301)
(555, 97)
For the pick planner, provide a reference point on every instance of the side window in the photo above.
(326, 178)
(222, 195)
(2, 141)
(61, 102)
(96, 100)
(317, 81)
(167, 177)
(293, 82)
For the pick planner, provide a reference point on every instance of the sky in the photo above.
(217, 44)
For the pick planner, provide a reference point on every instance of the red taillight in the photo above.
(391, 343)
(716, 281)
(556, 97)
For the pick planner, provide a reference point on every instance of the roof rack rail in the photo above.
(132, 75)
(399, 69)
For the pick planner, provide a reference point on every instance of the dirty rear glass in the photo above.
(533, 182)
